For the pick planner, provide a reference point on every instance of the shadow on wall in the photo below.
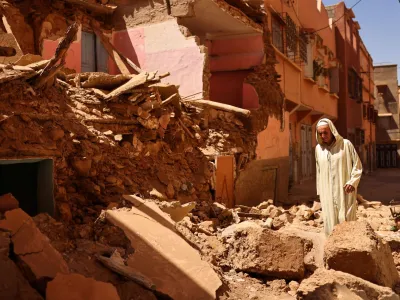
(388, 97)
(262, 180)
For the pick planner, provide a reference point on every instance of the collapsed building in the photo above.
(215, 50)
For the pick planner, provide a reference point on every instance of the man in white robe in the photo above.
(339, 172)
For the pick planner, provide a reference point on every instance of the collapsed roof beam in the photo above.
(94, 7)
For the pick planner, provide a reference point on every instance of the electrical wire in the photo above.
(336, 19)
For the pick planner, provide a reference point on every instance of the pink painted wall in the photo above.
(73, 59)
(162, 47)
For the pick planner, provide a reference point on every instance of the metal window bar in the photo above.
(303, 41)
(291, 38)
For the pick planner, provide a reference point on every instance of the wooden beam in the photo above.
(51, 68)
(110, 49)
(116, 264)
(220, 106)
(94, 7)
(134, 82)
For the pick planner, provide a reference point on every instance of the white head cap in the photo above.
(322, 123)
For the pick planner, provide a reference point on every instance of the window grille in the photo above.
(303, 41)
(291, 38)
(277, 34)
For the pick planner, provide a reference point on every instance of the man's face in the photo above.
(325, 133)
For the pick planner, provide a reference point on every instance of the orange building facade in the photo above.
(304, 42)
(368, 137)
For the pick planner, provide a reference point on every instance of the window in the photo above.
(359, 137)
(370, 113)
(277, 34)
(354, 85)
(375, 116)
(291, 38)
(365, 111)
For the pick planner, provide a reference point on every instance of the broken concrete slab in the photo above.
(36, 257)
(176, 210)
(354, 248)
(8, 202)
(177, 269)
(78, 287)
(14, 220)
(263, 251)
(314, 241)
(13, 285)
(330, 284)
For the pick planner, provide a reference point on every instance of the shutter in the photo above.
(365, 113)
(334, 76)
(87, 48)
(102, 57)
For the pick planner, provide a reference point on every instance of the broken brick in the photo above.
(8, 202)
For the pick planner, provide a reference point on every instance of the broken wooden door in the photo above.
(94, 55)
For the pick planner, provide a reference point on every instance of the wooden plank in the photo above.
(134, 82)
(94, 7)
(116, 264)
(220, 106)
(51, 68)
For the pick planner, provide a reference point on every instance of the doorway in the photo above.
(30, 181)
(306, 151)
(94, 55)
(386, 156)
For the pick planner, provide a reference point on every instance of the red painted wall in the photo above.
(73, 59)
(227, 87)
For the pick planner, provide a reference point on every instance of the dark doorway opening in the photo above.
(31, 183)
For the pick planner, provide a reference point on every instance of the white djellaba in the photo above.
(338, 164)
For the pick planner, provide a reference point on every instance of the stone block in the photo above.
(330, 284)
(355, 248)
(253, 249)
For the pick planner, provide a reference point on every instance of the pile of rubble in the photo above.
(232, 255)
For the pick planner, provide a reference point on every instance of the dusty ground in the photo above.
(382, 185)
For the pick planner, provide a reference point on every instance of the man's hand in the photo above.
(349, 188)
